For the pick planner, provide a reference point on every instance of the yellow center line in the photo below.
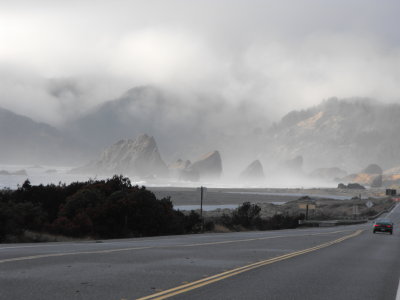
(14, 259)
(205, 281)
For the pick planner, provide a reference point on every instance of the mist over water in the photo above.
(55, 175)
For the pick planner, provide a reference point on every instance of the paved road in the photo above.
(347, 262)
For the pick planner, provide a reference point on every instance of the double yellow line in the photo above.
(205, 281)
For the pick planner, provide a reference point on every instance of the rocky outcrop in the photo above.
(373, 169)
(352, 186)
(377, 182)
(347, 133)
(328, 173)
(371, 175)
(173, 119)
(181, 170)
(139, 157)
(179, 165)
(391, 177)
(208, 166)
(254, 171)
(361, 178)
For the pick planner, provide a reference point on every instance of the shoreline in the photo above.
(234, 196)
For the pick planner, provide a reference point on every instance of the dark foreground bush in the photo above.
(103, 209)
(247, 216)
(112, 208)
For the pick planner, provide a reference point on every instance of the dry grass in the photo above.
(37, 237)
(218, 228)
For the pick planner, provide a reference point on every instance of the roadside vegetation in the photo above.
(248, 216)
(111, 208)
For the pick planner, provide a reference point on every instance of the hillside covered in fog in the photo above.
(25, 141)
(348, 134)
(182, 127)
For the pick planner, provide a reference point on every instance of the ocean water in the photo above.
(42, 174)
(38, 175)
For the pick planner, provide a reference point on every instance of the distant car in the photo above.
(383, 225)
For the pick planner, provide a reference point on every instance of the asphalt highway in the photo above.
(344, 262)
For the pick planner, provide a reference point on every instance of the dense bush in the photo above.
(248, 216)
(112, 208)
(102, 208)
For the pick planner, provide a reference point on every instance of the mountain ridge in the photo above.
(348, 134)
(343, 133)
(24, 140)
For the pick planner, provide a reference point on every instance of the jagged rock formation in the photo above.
(208, 166)
(181, 170)
(139, 157)
(377, 182)
(388, 178)
(372, 169)
(371, 175)
(391, 177)
(353, 186)
(171, 118)
(347, 133)
(361, 178)
(254, 171)
(375, 172)
(328, 173)
(179, 165)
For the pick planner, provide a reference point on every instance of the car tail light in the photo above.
(390, 226)
(376, 225)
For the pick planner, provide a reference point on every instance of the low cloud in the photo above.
(61, 62)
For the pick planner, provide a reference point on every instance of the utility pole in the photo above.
(355, 211)
(201, 209)
(307, 212)
(203, 192)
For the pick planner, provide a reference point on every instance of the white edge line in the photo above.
(394, 208)
(110, 242)
(398, 292)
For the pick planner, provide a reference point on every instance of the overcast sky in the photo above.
(59, 58)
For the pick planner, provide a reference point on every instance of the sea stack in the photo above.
(254, 171)
(208, 166)
(139, 157)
